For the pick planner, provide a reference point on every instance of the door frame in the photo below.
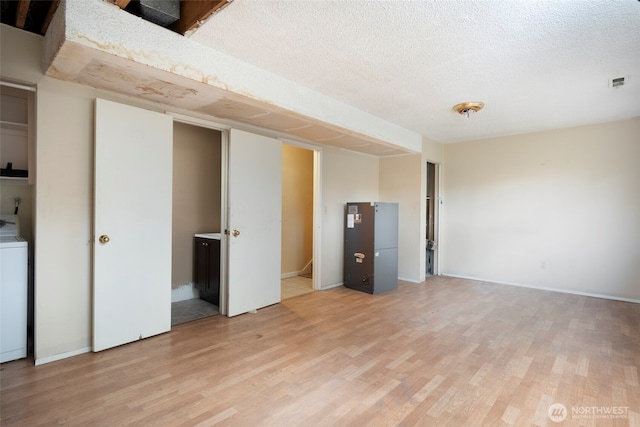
(317, 209)
(436, 216)
(224, 143)
(317, 194)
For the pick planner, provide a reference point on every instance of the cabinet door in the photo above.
(214, 272)
(201, 264)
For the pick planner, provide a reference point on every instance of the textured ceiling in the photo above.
(537, 65)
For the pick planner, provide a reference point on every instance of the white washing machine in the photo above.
(13, 289)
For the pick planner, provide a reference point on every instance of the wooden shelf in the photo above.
(14, 180)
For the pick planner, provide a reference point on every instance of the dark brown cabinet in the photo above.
(207, 269)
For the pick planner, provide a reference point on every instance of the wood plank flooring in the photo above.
(295, 286)
(445, 352)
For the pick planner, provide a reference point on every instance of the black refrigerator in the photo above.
(371, 246)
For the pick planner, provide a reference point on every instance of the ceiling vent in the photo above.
(617, 82)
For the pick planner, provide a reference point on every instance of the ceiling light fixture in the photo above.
(468, 108)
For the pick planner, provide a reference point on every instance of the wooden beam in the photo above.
(192, 12)
(120, 3)
(21, 13)
(47, 20)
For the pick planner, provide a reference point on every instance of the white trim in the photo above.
(437, 219)
(182, 118)
(331, 286)
(300, 144)
(224, 222)
(17, 86)
(541, 288)
(184, 292)
(410, 280)
(290, 274)
(316, 255)
(61, 356)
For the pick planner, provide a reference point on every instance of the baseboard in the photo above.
(61, 356)
(333, 285)
(184, 292)
(290, 274)
(308, 269)
(562, 291)
(404, 279)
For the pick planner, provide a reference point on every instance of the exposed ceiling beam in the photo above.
(120, 3)
(49, 17)
(193, 12)
(21, 13)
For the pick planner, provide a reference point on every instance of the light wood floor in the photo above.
(445, 352)
(295, 286)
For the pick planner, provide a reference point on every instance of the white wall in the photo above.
(555, 209)
(346, 177)
(400, 182)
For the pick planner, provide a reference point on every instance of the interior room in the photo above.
(174, 197)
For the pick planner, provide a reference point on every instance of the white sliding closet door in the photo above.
(254, 221)
(132, 213)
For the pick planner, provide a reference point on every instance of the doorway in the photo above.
(431, 219)
(197, 157)
(297, 221)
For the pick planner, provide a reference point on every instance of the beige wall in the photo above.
(297, 208)
(400, 182)
(555, 209)
(64, 188)
(346, 177)
(196, 194)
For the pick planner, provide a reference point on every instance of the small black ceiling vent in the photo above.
(617, 82)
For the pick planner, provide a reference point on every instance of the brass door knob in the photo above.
(104, 239)
(235, 233)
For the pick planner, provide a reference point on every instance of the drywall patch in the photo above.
(131, 82)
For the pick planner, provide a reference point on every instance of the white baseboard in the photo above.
(43, 360)
(290, 274)
(404, 279)
(184, 292)
(307, 268)
(333, 285)
(563, 291)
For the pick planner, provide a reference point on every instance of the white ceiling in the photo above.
(537, 65)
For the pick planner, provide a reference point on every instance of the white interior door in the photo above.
(132, 210)
(254, 222)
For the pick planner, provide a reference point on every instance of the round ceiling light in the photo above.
(468, 108)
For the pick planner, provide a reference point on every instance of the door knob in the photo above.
(235, 233)
(104, 239)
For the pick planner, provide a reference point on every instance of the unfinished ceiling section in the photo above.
(177, 15)
(123, 53)
(33, 16)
